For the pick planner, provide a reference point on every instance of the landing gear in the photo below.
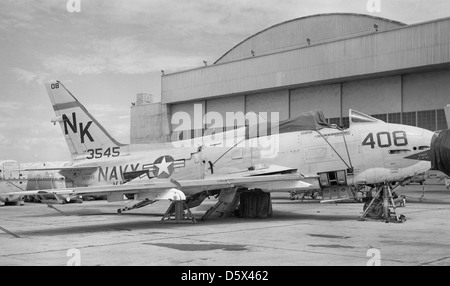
(242, 203)
(227, 204)
(383, 206)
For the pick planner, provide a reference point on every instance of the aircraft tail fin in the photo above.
(447, 115)
(83, 134)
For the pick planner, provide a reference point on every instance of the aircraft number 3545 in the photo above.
(385, 140)
(98, 153)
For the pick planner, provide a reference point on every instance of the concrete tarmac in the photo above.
(296, 234)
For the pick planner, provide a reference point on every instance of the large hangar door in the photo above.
(275, 101)
(326, 98)
(373, 96)
(222, 106)
(187, 120)
(426, 91)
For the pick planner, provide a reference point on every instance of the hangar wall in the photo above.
(312, 98)
(415, 99)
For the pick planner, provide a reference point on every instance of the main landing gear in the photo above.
(383, 205)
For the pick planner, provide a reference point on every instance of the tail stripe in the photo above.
(66, 105)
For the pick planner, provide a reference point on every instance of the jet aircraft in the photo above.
(310, 155)
(16, 176)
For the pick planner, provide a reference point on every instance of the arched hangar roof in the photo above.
(320, 28)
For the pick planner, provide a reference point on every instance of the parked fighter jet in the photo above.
(10, 181)
(310, 154)
(22, 177)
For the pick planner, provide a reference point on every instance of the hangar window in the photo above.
(336, 121)
(426, 119)
(409, 118)
(395, 118)
(382, 117)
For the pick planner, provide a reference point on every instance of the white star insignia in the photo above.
(163, 167)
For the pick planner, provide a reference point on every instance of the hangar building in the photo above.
(333, 62)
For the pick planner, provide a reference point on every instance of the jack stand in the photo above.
(380, 207)
(60, 211)
(180, 216)
(138, 205)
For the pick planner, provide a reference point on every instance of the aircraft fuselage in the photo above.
(371, 153)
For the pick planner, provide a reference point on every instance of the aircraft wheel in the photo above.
(376, 209)
(119, 211)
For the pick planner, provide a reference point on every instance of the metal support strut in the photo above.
(176, 207)
(58, 210)
(138, 205)
(383, 206)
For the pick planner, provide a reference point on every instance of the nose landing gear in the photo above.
(383, 206)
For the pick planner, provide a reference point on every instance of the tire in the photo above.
(376, 210)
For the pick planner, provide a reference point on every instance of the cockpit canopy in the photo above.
(358, 117)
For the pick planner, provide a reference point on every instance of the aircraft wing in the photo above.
(158, 189)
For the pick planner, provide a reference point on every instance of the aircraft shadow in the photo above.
(138, 222)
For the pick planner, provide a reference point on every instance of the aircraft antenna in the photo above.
(334, 149)
(346, 148)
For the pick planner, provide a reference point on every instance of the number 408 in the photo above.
(384, 139)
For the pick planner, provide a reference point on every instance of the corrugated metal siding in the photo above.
(326, 98)
(410, 47)
(146, 124)
(224, 105)
(425, 91)
(380, 95)
(293, 34)
(196, 118)
(275, 101)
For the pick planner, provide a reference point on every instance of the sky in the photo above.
(114, 49)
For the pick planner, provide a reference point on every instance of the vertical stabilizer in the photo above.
(83, 134)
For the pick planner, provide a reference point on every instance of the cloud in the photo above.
(31, 77)
(125, 55)
(10, 106)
